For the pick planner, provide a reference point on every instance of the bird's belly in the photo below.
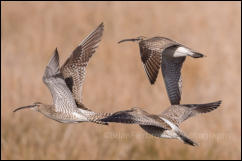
(169, 134)
(72, 117)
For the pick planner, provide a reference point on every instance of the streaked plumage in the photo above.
(65, 84)
(162, 52)
(166, 124)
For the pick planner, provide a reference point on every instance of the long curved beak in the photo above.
(128, 40)
(30, 106)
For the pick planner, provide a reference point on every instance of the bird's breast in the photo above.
(169, 134)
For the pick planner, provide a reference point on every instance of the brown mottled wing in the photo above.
(54, 80)
(151, 61)
(135, 117)
(179, 113)
(74, 69)
(150, 52)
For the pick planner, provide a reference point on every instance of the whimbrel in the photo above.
(164, 125)
(162, 52)
(65, 84)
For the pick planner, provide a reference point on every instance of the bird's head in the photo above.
(35, 106)
(140, 37)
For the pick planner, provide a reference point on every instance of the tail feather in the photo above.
(99, 122)
(97, 118)
(186, 140)
(197, 55)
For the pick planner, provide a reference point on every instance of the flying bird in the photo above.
(166, 124)
(162, 52)
(65, 84)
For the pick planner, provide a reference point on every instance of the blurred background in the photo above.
(116, 80)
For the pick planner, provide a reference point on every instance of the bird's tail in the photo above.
(99, 122)
(186, 140)
(197, 55)
(97, 118)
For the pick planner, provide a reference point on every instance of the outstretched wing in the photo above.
(179, 113)
(151, 61)
(171, 71)
(150, 52)
(74, 69)
(54, 80)
(133, 116)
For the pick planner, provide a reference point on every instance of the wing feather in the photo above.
(74, 69)
(171, 71)
(54, 80)
(180, 113)
(151, 51)
(133, 116)
(151, 61)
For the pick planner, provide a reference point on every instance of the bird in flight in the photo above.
(65, 84)
(162, 52)
(166, 124)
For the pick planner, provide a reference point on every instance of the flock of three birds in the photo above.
(65, 85)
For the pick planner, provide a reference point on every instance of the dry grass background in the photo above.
(116, 79)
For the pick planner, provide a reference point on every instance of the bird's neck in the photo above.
(46, 109)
